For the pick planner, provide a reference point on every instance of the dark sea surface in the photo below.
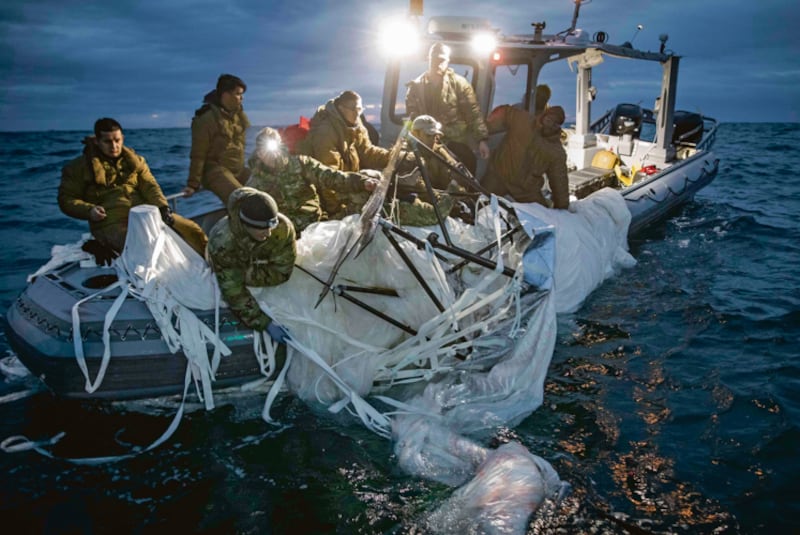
(672, 404)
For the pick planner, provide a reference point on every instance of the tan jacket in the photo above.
(545, 157)
(117, 185)
(218, 140)
(341, 146)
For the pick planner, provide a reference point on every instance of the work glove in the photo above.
(277, 332)
(372, 173)
(103, 254)
(166, 215)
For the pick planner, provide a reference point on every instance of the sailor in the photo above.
(543, 155)
(105, 182)
(339, 139)
(449, 97)
(429, 131)
(306, 185)
(218, 140)
(308, 190)
(518, 125)
(253, 246)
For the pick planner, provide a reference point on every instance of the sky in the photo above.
(148, 63)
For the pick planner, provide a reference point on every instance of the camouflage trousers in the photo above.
(420, 213)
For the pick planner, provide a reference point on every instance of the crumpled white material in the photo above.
(172, 279)
(591, 244)
(508, 485)
(61, 254)
(508, 336)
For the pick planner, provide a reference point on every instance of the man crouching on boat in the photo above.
(105, 182)
(253, 246)
(543, 155)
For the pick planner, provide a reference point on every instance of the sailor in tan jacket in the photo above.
(338, 139)
(543, 156)
(218, 140)
(105, 182)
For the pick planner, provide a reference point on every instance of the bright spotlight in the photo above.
(484, 43)
(273, 145)
(398, 38)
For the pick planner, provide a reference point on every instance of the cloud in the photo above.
(63, 63)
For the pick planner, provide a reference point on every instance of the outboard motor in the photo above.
(627, 119)
(687, 128)
(626, 122)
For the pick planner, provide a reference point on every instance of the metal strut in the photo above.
(429, 188)
(342, 290)
(485, 249)
(413, 268)
(433, 239)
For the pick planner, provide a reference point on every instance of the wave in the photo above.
(16, 153)
(44, 169)
(65, 153)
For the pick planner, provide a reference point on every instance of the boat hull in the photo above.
(39, 329)
(653, 199)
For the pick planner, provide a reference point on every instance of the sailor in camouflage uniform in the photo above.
(449, 98)
(218, 140)
(253, 246)
(307, 190)
(310, 191)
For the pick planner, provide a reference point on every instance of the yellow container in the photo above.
(604, 159)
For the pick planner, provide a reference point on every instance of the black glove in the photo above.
(408, 197)
(166, 215)
(103, 254)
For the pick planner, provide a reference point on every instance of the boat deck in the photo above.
(583, 182)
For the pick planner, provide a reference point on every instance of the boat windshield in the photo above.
(511, 85)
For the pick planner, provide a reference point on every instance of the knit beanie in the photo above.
(259, 211)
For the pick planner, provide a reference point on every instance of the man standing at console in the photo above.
(450, 99)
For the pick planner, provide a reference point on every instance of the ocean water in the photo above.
(672, 404)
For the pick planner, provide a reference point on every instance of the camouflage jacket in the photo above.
(116, 185)
(337, 193)
(441, 174)
(455, 106)
(296, 196)
(345, 148)
(240, 261)
(218, 140)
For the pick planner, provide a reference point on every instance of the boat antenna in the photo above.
(639, 28)
(629, 44)
(571, 29)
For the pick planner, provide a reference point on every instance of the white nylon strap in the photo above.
(77, 340)
(19, 443)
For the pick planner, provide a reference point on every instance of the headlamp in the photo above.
(272, 145)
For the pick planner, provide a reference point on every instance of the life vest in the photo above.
(294, 133)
